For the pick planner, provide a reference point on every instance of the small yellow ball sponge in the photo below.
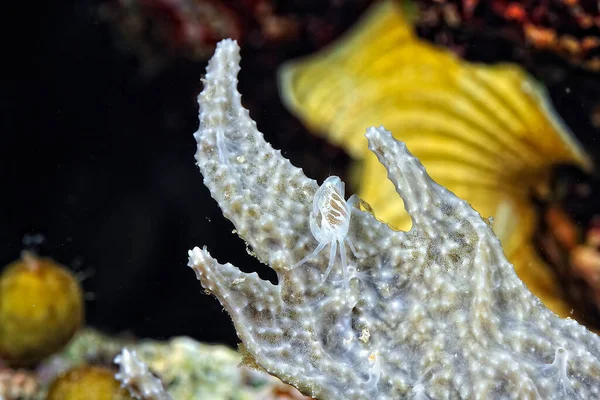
(87, 383)
(41, 307)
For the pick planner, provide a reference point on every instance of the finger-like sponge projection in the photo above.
(437, 312)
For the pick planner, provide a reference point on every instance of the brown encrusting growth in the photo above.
(568, 28)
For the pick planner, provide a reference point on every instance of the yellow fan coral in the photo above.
(487, 133)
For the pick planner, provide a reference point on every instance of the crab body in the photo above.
(329, 224)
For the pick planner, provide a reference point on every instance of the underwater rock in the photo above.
(187, 368)
(18, 384)
(568, 237)
(569, 29)
(162, 30)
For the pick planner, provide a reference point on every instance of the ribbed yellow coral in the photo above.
(487, 133)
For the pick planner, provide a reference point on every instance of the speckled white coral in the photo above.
(136, 377)
(433, 313)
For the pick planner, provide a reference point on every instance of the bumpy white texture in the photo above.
(136, 377)
(433, 313)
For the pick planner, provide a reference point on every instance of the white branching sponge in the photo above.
(136, 377)
(433, 313)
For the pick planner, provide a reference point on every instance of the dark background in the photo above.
(97, 156)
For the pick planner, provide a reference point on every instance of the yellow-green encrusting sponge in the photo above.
(41, 307)
(87, 383)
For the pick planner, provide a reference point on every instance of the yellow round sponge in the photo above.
(87, 383)
(41, 307)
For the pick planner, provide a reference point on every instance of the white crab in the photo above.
(334, 224)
